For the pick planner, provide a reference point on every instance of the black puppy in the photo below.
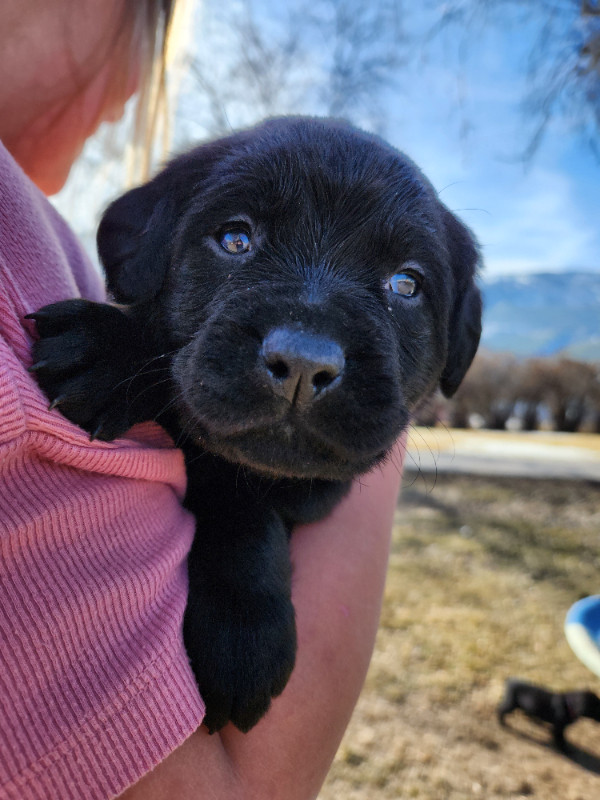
(558, 708)
(288, 294)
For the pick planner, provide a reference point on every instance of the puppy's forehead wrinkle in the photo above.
(325, 167)
(313, 275)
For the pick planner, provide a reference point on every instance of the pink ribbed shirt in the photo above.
(95, 686)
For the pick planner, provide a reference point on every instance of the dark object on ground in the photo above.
(287, 296)
(558, 708)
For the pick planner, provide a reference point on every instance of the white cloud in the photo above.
(537, 225)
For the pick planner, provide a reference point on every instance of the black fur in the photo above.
(283, 372)
(560, 709)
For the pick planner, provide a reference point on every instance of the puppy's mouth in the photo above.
(300, 406)
(286, 448)
(276, 458)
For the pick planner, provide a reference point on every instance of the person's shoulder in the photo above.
(40, 257)
(41, 262)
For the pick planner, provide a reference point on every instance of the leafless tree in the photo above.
(569, 390)
(564, 62)
(594, 400)
(569, 385)
(532, 391)
(498, 386)
(244, 69)
(362, 42)
(331, 57)
(489, 390)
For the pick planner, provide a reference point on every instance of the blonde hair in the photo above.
(154, 28)
(153, 34)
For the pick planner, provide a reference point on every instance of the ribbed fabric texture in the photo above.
(95, 685)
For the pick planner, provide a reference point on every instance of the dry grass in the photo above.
(481, 575)
(439, 438)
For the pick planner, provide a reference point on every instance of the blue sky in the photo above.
(456, 108)
(535, 216)
(541, 215)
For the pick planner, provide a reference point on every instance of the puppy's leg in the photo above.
(558, 735)
(587, 702)
(239, 627)
(509, 701)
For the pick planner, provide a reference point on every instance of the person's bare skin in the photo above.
(339, 574)
(53, 96)
(57, 86)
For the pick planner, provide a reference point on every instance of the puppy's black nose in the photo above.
(300, 366)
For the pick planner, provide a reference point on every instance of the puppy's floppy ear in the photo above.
(465, 316)
(136, 233)
(134, 241)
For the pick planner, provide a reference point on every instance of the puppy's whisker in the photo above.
(143, 368)
(435, 460)
(131, 380)
(168, 405)
(434, 456)
(393, 458)
(148, 389)
(359, 480)
(268, 483)
(418, 473)
(166, 354)
(417, 467)
(186, 435)
(200, 454)
(153, 359)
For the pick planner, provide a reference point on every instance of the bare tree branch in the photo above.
(330, 56)
(564, 62)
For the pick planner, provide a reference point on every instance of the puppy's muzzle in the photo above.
(301, 366)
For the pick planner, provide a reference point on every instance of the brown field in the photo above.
(481, 575)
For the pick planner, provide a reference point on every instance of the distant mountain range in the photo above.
(543, 314)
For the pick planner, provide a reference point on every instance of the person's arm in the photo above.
(339, 574)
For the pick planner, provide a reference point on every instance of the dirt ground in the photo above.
(481, 575)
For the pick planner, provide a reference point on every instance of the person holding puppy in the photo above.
(96, 692)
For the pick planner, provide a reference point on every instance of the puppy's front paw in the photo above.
(80, 362)
(241, 660)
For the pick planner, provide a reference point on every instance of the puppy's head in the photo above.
(312, 285)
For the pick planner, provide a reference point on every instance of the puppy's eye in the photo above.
(235, 240)
(406, 284)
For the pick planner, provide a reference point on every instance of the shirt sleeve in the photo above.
(95, 685)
